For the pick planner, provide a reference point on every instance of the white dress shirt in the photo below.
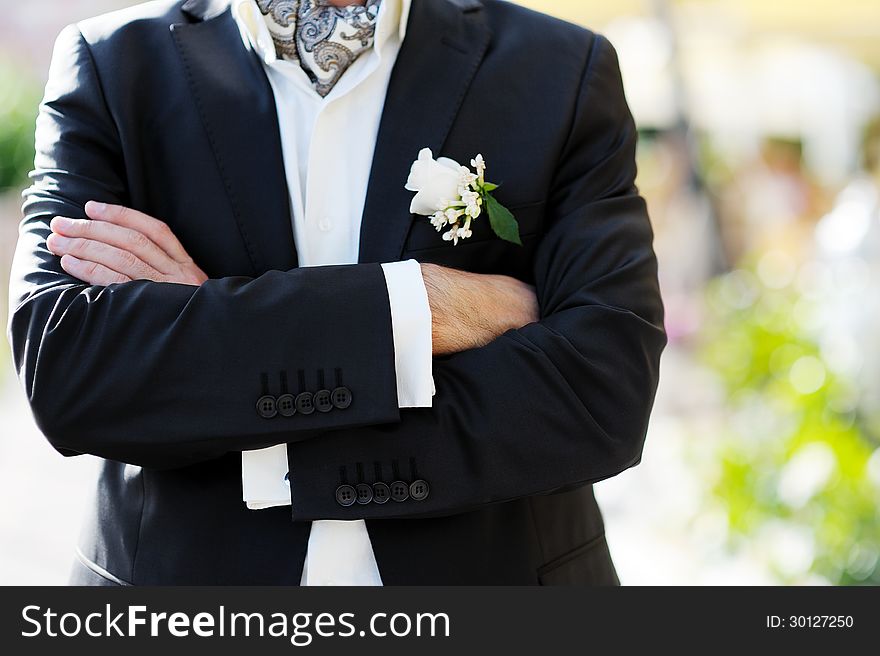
(328, 146)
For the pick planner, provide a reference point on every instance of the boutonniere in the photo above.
(454, 196)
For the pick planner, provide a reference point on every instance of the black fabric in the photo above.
(159, 108)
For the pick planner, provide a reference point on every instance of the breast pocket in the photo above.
(423, 236)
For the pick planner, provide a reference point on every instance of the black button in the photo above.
(323, 401)
(286, 405)
(381, 493)
(365, 493)
(419, 490)
(345, 495)
(305, 404)
(399, 491)
(341, 398)
(266, 407)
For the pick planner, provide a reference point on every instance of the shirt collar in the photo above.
(255, 33)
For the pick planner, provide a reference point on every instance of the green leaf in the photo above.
(502, 221)
(489, 186)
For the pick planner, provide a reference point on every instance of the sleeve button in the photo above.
(381, 493)
(345, 495)
(364, 493)
(266, 407)
(399, 491)
(341, 398)
(305, 404)
(419, 490)
(323, 401)
(286, 405)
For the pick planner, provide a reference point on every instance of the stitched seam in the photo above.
(233, 201)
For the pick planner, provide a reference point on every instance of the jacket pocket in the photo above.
(422, 235)
(588, 564)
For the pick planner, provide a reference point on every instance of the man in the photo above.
(220, 290)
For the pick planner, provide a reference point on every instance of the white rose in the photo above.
(435, 181)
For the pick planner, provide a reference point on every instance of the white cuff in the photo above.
(263, 482)
(411, 328)
(263, 472)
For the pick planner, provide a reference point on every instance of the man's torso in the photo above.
(199, 133)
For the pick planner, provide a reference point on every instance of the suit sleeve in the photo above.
(557, 404)
(163, 375)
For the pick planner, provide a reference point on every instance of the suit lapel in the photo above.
(237, 108)
(444, 45)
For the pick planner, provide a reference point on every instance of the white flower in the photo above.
(472, 202)
(466, 179)
(435, 181)
(480, 165)
(452, 214)
(439, 220)
(450, 194)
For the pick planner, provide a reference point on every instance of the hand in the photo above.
(120, 245)
(469, 310)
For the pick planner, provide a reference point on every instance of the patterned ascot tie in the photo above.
(324, 40)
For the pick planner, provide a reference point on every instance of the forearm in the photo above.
(532, 412)
(163, 374)
(470, 310)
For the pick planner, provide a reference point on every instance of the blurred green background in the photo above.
(760, 161)
(20, 95)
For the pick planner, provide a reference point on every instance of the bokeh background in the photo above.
(760, 160)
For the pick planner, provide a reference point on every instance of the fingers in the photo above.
(98, 253)
(156, 230)
(121, 237)
(91, 272)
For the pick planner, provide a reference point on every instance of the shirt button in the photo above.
(325, 224)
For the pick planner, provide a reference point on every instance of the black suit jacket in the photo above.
(160, 108)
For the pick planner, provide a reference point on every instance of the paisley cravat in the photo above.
(325, 40)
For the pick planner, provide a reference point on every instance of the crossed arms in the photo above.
(116, 245)
(161, 371)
